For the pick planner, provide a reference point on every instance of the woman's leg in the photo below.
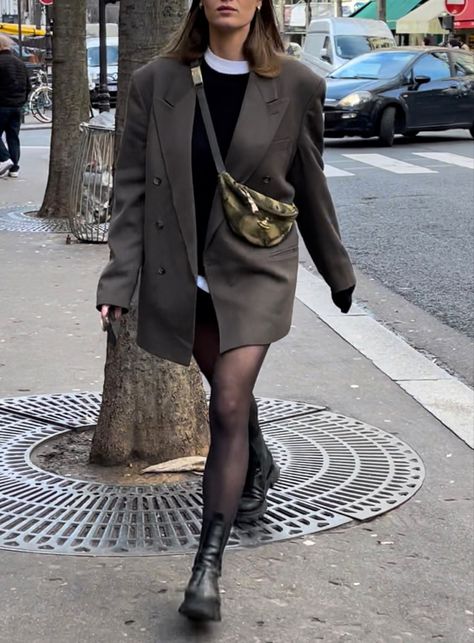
(232, 377)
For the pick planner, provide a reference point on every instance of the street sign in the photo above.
(454, 7)
(47, 3)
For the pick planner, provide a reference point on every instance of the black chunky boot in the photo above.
(202, 600)
(262, 474)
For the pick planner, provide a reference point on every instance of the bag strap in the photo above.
(206, 116)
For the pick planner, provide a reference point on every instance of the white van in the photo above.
(93, 66)
(331, 42)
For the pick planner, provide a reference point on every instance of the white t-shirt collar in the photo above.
(224, 66)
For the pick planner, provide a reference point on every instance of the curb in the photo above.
(444, 396)
(34, 126)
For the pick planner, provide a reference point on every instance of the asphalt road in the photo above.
(409, 231)
(412, 231)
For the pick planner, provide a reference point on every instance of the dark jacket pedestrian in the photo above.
(205, 291)
(14, 90)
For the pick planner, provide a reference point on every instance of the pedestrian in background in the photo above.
(427, 41)
(14, 90)
(211, 287)
(462, 42)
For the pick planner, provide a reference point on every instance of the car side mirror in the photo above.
(421, 80)
(324, 55)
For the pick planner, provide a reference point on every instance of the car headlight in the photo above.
(356, 99)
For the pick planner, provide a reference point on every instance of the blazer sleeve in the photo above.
(118, 281)
(317, 219)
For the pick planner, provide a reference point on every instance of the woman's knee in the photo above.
(229, 406)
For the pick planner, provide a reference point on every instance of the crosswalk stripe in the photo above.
(383, 162)
(447, 157)
(330, 171)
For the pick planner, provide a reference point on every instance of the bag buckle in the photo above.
(197, 75)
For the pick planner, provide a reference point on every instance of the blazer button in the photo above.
(157, 180)
(160, 225)
(161, 271)
(267, 179)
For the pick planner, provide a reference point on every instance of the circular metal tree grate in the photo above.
(18, 220)
(334, 470)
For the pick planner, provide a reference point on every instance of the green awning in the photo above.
(396, 9)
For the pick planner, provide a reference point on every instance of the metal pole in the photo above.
(49, 42)
(382, 10)
(104, 96)
(20, 29)
(308, 14)
(338, 8)
(38, 13)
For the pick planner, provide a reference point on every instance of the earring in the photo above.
(259, 7)
(200, 5)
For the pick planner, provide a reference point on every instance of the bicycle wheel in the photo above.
(41, 102)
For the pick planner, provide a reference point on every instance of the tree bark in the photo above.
(152, 410)
(70, 102)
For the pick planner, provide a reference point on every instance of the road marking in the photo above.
(389, 164)
(330, 171)
(447, 157)
(444, 396)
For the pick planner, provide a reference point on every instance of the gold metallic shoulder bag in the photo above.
(257, 218)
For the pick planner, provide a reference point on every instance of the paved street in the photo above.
(407, 217)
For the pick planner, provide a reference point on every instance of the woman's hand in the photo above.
(109, 314)
(343, 299)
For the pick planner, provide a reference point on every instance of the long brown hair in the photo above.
(263, 48)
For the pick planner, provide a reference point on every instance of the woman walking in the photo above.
(222, 107)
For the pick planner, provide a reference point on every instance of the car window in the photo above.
(351, 46)
(463, 63)
(93, 56)
(434, 65)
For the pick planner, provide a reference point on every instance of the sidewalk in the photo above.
(405, 576)
(32, 123)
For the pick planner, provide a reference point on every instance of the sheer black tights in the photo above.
(232, 377)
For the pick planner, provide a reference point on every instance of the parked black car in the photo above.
(401, 91)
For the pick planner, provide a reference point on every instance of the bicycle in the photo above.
(40, 101)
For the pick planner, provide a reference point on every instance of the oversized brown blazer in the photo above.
(276, 149)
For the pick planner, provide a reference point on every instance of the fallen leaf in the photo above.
(191, 463)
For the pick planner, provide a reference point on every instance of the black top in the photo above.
(225, 94)
(14, 81)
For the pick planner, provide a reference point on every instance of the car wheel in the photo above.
(412, 133)
(387, 127)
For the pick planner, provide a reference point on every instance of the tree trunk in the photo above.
(152, 410)
(70, 102)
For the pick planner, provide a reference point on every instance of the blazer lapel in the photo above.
(260, 116)
(174, 118)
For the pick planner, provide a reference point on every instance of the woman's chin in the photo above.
(227, 23)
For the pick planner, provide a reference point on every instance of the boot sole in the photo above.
(197, 609)
(258, 513)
